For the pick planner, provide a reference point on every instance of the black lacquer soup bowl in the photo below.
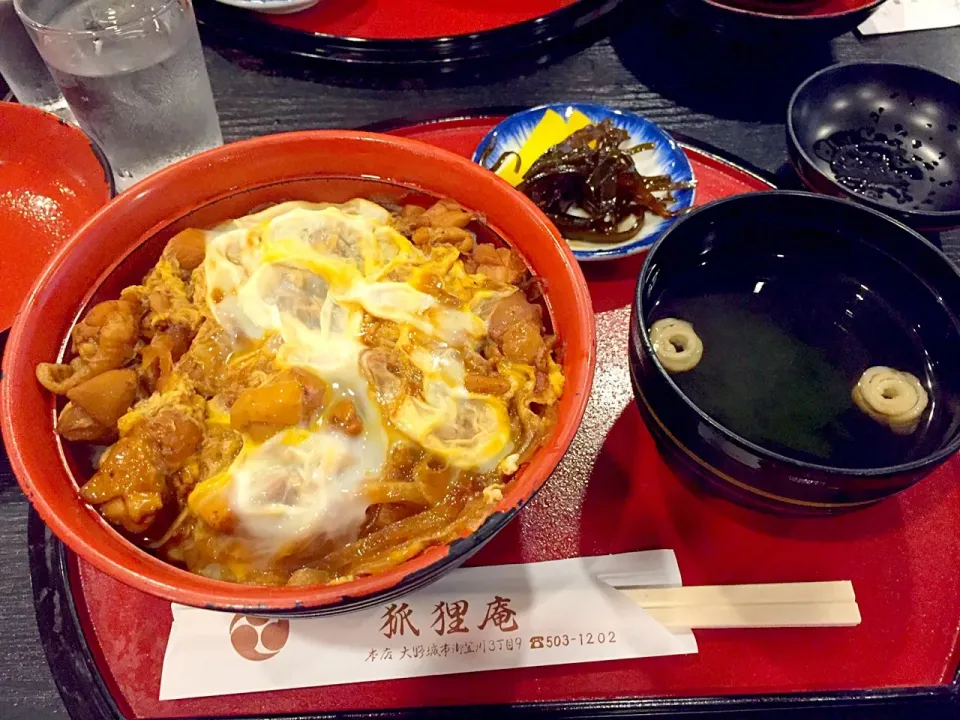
(770, 334)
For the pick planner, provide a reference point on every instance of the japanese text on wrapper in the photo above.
(448, 618)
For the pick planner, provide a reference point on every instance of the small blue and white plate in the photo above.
(667, 158)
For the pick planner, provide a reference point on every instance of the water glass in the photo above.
(133, 73)
(22, 67)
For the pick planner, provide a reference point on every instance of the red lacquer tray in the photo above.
(407, 31)
(612, 493)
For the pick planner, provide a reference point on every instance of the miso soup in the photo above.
(785, 341)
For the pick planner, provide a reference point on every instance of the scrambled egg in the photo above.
(302, 277)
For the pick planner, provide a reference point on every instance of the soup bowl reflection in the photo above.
(810, 292)
(122, 241)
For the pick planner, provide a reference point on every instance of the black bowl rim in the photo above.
(751, 12)
(930, 460)
(933, 215)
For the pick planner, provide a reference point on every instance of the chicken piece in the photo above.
(411, 213)
(157, 359)
(499, 264)
(109, 335)
(406, 222)
(462, 240)
(96, 405)
(106, 339)
(314, 392)
(343, 415)
(188, 248)
(511, 310)
(264, 411)
(169, 301)
(522, 341)
(205, 361)
(132, 485)
(442, 223)
(517, 327)
(219, 449)
(445, 214)
(76, 425)
(433, 285)
(289, 399)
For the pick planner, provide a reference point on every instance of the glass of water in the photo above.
(23, 69)
(133, 73)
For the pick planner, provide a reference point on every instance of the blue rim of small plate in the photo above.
(513, 131)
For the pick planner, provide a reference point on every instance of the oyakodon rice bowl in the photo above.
(311, 393)
(314, 399)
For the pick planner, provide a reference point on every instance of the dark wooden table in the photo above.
(733, 97)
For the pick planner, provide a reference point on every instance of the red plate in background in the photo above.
(404, 20)
(612, 493)
(407, 31)
(52, 178)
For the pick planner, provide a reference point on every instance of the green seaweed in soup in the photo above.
(784, 343)
(764, 383)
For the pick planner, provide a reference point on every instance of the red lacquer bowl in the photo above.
(120, 243)
(52, 178)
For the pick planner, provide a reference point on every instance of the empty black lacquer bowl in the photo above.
(764, 21)
(883, 134)
(793, 297)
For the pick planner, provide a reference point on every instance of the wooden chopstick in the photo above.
(704, 617)
(772, 593)
(814, 604)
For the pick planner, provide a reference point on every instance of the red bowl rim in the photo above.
(39, 115)
(38, 118)
(205, 592)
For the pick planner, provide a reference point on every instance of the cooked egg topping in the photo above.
(303, 279)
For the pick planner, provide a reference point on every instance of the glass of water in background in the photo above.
(22, 67)
(133, 73)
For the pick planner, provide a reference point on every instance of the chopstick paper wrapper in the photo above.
(489, 618)
(907, 15)
(474, 619)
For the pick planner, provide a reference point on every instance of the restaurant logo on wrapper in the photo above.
(257, 638)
